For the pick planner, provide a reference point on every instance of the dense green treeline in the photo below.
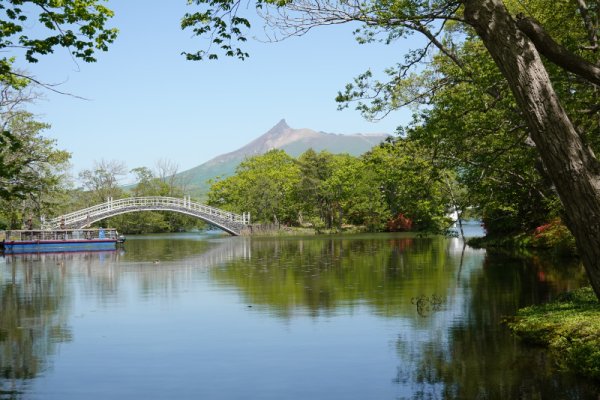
(406, 183)
(393, 187)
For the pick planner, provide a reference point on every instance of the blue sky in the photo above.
(146, 102)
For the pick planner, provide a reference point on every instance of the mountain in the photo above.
(281, 136)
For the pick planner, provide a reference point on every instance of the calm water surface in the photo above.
(195, 316)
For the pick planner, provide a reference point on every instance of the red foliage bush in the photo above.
(399, 224)
(554, 234)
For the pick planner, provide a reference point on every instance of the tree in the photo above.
(148, 184)
(166, 171)
(335, 189)
(36, 189)
(516, 44)
(263, 185)
(12, 100)
(484, 142)
(102, 181)
(314, 199)
(411, 185)
(144, 178)
(573, 168)
(354, 194)
(32, 171)
(78, 26)
(39, 27)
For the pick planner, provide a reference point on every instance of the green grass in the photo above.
(569, 327)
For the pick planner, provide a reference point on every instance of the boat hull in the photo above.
(38, 246)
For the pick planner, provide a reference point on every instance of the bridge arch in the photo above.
(229, 222)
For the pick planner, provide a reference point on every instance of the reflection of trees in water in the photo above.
(159, 267)
(460, 351)
(321, 274)
(166, 248)
(34, 297)
(475, 357)
(32, 322)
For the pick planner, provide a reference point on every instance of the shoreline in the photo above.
(569, 327)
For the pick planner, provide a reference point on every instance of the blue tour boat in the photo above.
(38, 241)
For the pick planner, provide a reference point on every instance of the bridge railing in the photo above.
(143, 203)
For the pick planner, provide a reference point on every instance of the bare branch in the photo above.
(48, 86)
(590, 26)
(299, 17)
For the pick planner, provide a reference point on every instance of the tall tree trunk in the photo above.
(572, 166)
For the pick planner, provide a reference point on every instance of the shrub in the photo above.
(399, 224)
(554, 235)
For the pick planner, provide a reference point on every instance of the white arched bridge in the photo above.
(230, 222)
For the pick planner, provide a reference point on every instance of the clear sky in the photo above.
(146, 102)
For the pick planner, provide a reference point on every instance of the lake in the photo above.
(206, 316)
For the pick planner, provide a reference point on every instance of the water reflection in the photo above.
(474, 357)
(452, 298)
(33, 321)
(216, 307)
(321, 275)
(35, 294)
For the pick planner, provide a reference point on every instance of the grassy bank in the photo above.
(569, 327)
(283, 231)
(274, 230)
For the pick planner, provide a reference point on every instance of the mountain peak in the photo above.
(280, 127)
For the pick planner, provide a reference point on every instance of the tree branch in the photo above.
(48, 86)
(556, 53)
(589, 24)
(434, 40)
